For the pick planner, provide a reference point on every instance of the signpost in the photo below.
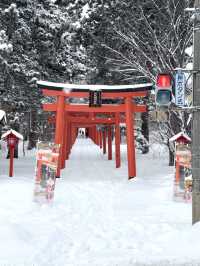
(180, 89)
(183, 174)
(47, 164)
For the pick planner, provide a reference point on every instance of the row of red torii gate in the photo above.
(69, 117)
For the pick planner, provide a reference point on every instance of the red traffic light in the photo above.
(164, 81)
(164, 84)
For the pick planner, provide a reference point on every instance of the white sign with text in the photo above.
(180, 89)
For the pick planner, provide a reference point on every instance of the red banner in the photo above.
(183, 176)
(47, 163)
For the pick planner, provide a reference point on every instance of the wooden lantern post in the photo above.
(12, 137)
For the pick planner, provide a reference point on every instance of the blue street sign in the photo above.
(180, 89)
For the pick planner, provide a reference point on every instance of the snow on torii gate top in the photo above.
(82, 91)
(85, 88)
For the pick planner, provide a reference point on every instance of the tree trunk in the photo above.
(32, 138)
(171, 157)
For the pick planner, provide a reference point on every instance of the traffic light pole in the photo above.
(196, 119)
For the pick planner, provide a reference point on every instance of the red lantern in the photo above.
(12, 137)
(12, 140)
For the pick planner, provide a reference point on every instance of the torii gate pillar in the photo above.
(60, 127)
(130, 138)
(109, 143)
(104, 141)
(117, 141)
(100, 139)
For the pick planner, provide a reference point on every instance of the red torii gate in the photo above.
(69, 117)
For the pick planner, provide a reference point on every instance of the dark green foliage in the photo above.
(101, 41)
(37, 41)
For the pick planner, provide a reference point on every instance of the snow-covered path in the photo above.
(98, 217)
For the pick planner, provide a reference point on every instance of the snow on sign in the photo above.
(180, 89)
(47, 164)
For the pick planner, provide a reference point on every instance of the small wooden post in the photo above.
(12, 150)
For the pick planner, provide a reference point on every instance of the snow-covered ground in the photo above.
(98, 217)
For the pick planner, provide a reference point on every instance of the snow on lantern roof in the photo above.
(12, 131)
(179, 136)
(107, 88)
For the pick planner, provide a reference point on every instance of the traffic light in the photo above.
(164, 85)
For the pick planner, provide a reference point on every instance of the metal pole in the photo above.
(196, 120)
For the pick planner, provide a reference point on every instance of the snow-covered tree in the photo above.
(36, 42)
(135, 40)
(5, 51)
(156, 35)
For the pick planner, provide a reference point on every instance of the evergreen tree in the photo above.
(37, 41)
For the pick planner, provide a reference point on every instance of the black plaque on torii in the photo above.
(95, 99)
